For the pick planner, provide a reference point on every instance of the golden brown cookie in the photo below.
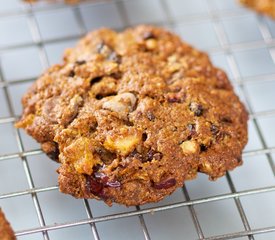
(132, 115)
(6, 232)
(262, 6)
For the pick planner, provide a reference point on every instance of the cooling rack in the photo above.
(238, 206)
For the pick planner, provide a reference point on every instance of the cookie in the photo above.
(262, 6)
(131, 116)
(6, 232)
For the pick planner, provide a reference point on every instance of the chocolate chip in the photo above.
(203, 148)
(214, 129)
(196, 108)
(226, 119)
(71, 73)
(80, 62)
(150, 116)
(148, 35)
(99, 96)
(95, 80)
(144, 137)
(165, 184)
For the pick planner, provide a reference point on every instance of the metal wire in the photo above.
(226, 48)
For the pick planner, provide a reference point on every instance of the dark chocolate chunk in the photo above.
(203, 148)
(71, 73)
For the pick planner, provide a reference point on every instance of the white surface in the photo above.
(22, 60)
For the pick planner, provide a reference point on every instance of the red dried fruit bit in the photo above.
(105, 180)
(93, 186)
(196, 108)
(165, 184)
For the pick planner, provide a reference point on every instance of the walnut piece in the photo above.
(189, 147)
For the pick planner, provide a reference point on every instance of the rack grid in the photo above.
(32, 37)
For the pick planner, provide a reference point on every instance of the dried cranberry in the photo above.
(165, 184)
(196, 108)
(94, 186)
(105, 180)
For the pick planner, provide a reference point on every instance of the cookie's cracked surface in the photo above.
(132, 115)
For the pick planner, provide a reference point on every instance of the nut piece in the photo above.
(151, 44)
(122, 104)
(123, 141)
(189, 147)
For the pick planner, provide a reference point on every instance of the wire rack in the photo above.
(239, 205)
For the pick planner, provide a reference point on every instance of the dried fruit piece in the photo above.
(165, 184)
(81, 154)
(123, 140)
